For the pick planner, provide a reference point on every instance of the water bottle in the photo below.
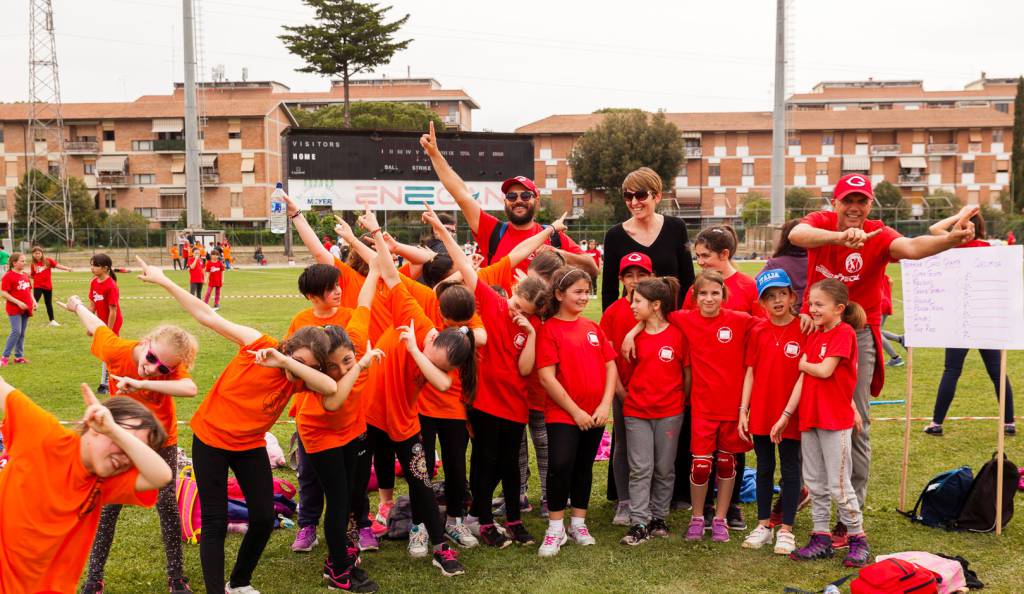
(278, 211)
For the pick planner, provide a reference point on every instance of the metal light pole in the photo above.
(193, 197)
(778, 119)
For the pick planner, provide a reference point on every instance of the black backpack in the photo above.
(499, 231)
(942, 499)
(979, 511)
(400, 519)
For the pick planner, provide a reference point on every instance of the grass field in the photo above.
(60, 359)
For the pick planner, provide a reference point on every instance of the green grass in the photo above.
(60, 360)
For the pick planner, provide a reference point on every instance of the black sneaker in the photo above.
(734, 518)
(179, 585)
(518, 533)
(102, 389)
(492, 537)
(1010, 429)
(446, 559)
(92, 588)
(350, 579)
(658, 528)
(636, 535)
(933, 429)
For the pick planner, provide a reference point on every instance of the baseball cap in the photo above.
(638, 259)
(519, 179)
(776, 277)
(853, 183)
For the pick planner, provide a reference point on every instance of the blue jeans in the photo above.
(16, 339)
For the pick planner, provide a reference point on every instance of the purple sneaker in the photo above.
(367, 540)
(719, 530)
(819, 547)
(305, 539)
(859, 554)
(695, 531)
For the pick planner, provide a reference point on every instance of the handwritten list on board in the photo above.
(965, 298)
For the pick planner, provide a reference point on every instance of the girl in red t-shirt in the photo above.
(105, 302)
(576, 365)
(196, 273)
(215, 273)
(715, 248)
(42, 281)
(653, 408)
(828, 417)
(16, 289)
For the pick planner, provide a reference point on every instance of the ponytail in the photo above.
(104, 261)
(459, 345)
(855, 315)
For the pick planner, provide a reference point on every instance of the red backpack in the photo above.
(895, 576)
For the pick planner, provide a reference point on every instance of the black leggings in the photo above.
(197, 290)
(311, 491)
(383, 462)
(170, 528)
(495, 459)
(684, 459)
(421, 493)
(571, 454)
(333, 468)
(454, 440)
(47, 294)
(789, 462)
(951, 375)
(359, 500)
(252, 469)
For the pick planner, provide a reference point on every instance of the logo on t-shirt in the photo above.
(593, 339)
(214, 269)
(666, 353)
(40, 269)
(519, 340)
(854, 262)
(724, 334)
(824, 349)
(24, 285)
(792, 349)
(97, 297)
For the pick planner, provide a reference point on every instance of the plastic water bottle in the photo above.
(278, 211)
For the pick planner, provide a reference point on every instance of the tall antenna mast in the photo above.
(49, 210)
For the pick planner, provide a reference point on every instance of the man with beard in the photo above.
(495, 238)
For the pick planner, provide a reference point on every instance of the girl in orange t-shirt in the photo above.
(175, 257)
(152, 371)
(57, 481)
(230, 424)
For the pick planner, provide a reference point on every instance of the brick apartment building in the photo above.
(897, 131)
(132, 155)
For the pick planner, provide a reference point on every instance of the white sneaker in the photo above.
(419, 541)
(785, 543)
(552, 543)
(621, 514)
(472, 524)
(239, 590)
(54, 323)
(581, 536)
(458, 533)
(760, 536)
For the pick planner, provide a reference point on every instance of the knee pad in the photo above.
(700, 471)
(725, 465)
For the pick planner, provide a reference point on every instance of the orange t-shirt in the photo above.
(244, 402)
(49, 503)
(305, 318)
(174, 252)
(116, 352)
(351, 283)
(499, 273)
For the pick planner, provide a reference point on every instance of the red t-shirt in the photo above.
(500, 390)
(742, 292)
(717, 360)
(579, 350)
(596, 255)
(536, 395)
(19, 286)
(41, 273)
(827, 403)
(195, 275)
(774, 353)
(616, 322)
(887, 296)
(105, 295)
(512, 238)
(657, 389)
(216, 271)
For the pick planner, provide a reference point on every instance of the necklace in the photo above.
(778, 335)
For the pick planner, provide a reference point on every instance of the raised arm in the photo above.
(942, 227)
(532, 244)
(314, 380)
(463, 264)
(451, 180)
(922, 246)
(88, 319)
(808, 236)
(345, 232)
(412, 254)
(581, 261)
(433, 374)
(385, 265)
(307, 234)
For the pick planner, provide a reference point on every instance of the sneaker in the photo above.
(819, 547)
(621, 514)
(305, 539)
(760, 536)
(100, 389)
(658, 527)
(896, 361)
(458, 533)
(933, 429)
(229, 589)
(378, 529)
(719, 530)
(4, 361)
(93, 588)
(368, 540)
(55, 324)
(839, 538)
(681, 505)
(785, 543)
(353, 554)
(384, 512)
(178, 585)
(445, 559)
(859, 553)
(695, 531)
(492, 537)
(524, 504)
(518, 533)
(1010, 429)
(637, 535)
(217, 307)
(351, 579)
(19, 360)
(734, 518)
(581, 535)
(419, 541)
(552, 543)
(473, 525)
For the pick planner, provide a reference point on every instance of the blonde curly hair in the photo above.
(183, 343)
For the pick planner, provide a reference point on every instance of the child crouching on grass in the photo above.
(828, 417)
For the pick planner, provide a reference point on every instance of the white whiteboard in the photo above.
(965, 298)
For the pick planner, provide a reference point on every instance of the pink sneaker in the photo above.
(377, 528)
(695, 531)
(305, 539)
(18, 360)
(4, 361)
(719, 530)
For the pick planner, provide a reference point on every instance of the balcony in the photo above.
(82, 147)
(912, 179)
(169, 145)
(942, 149)
(112, 179)
(884, 150)
(210, 179)
(691, 152)
(160, 214)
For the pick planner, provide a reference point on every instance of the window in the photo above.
(54, 168)
(545, 153)
(577, 201)
(108, 135)
(974, 147)
(1, 134)
(170, 135)
(1002, 107)
(90, 168)
(968, 167)
(821, 169)
(142, 145)
(234, 135)
(236, 200)
(997, 135)
(748, 169)
(144, 179)
(110, 200)
(793, 140)
(714, 170)
(828, 139)
(885, 106)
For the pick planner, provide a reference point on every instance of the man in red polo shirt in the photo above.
(521, 200)
(844, 244)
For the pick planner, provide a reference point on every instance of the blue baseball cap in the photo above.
(776, 277)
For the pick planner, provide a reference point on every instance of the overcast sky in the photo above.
(527, 59)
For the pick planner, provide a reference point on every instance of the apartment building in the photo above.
(961, 149)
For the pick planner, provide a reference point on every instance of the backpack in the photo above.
(951, 572)
(499, 231)
(942, 499)
(187, 494)
(400, 519)
(895, 576)
(979, 510)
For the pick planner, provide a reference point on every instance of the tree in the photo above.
(350, 37)
(891, 204)
(757, 210)
(1017, 158)
(132, 225)
(210, 220)
(941, 204)
(622, 142)
(373, 115)
(799, 200)
(83, 208)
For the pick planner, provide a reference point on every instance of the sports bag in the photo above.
(187, 493)
(950, 571)
(979, 510)
(895, 576)
(942, 499)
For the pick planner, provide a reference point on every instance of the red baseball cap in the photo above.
(524, 181)
(853, 183)
(638, 259)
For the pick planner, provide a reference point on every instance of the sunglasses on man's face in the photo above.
(640, 195)
(525, 196)
(161, 367)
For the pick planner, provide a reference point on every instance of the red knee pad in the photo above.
(700, 471)
(725, 464)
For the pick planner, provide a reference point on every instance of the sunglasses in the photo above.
(525, 196)
(161, 367)
(640, 195)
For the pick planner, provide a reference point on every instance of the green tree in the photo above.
(349, 37)
(622, 142)
(757, 210)
(210, 220)
(799, 201)
(890, 203)
(373, 115)
(941, 204)
(83, 208)
(132, 225)
(598, 212)
(1017, 157)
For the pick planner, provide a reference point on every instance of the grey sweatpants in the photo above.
(620, 458)
(652, 466)
(866, 357)
(826, 469)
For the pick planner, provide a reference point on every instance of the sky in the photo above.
(528, 59)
